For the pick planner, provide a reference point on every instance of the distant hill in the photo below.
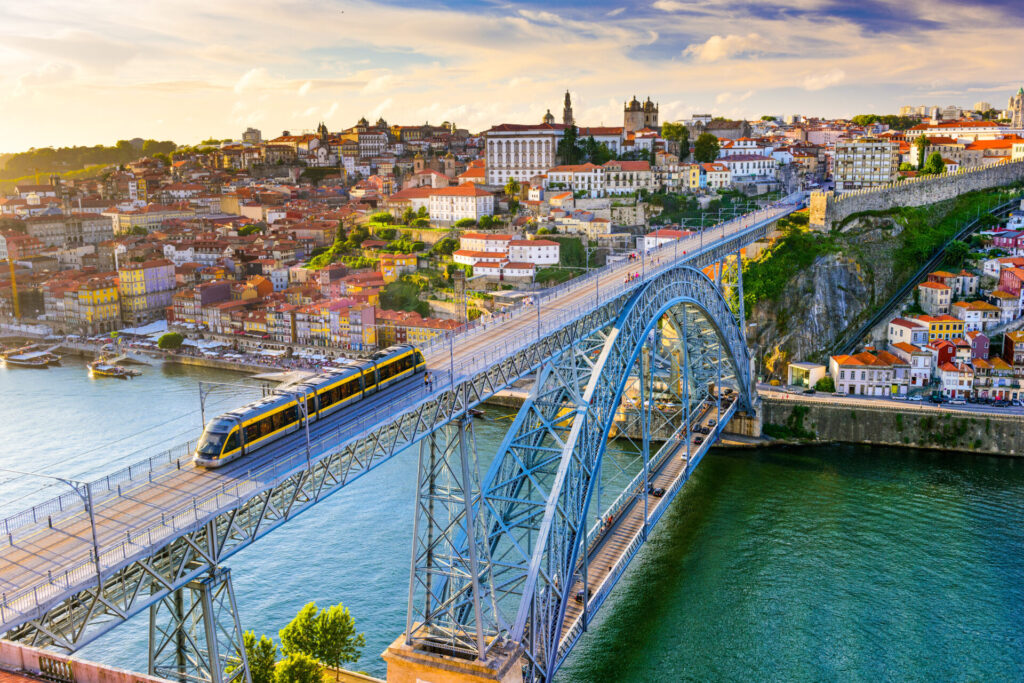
(63, 159)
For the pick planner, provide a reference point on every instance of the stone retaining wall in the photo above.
(827, 209)
(889, 424)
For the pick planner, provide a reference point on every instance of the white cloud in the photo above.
(253, 79)
(728, 97)
(717, 48)
(305, 88)
(824, 80)
(615, 12)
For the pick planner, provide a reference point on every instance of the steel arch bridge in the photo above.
(508, 560)
(156, 535)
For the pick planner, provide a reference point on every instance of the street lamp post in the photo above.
(84, 491)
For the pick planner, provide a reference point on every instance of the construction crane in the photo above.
(14, 290)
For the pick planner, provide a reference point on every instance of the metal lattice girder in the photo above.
(458, 614)
(69, 589)
(206, 533)
(195, 635)
(537, 493)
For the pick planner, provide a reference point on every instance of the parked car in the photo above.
(810, 391)
(914, 398)
(957, 402)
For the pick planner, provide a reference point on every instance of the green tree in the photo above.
(401, 295)
(568, 148)
(421, 222)
(921, 143)
(138, 230)
(513, 188)
(486, 222)
(249, 229)
(705, 149)
(299, 636)
(298, 668)
(956, 253)
(408, 216)
(677, 132)
(464, 223)
(262, 656)
(768, 118)
(170, 341)
(422, 212)
(382, 217)
(337, 640)
(934, 165)
(446, 246)
(826, 384)
(595, 152)
(906, 166)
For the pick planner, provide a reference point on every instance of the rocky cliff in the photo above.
(840, 288)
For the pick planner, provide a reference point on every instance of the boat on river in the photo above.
(101, 367)
(27, 359)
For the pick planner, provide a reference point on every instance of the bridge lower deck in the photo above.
(620, 541)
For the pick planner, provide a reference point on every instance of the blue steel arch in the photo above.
(536, 496)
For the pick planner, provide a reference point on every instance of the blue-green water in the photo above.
(816, 564)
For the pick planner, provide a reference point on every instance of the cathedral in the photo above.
(1016, 108)
(636, 116)
(567, 117)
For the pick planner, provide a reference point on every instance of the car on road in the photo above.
(810, 391)
(698, 440)
(957, 402)
(914, 398)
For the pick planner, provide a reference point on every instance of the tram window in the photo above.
(232, 442)
(252, 432)
(278, 420)
(310, 407)
(266, 426)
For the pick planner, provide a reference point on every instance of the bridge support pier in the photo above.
(410, 664)
(195, 634)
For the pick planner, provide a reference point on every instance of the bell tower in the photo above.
(567, 118)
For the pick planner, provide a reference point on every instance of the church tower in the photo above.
(549, 118)
(567, 118)
(1017, 109)
(321, 132)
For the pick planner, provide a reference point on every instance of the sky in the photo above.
(74, 72)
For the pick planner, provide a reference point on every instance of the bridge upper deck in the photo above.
(48, 552)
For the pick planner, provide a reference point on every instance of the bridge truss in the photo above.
(506, 559)
(110, 566)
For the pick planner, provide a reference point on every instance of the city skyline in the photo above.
(200, 71)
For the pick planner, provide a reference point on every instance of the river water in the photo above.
(832, 563)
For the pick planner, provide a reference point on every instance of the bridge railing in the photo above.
(587, 281)
(552, 317)
(159, 466)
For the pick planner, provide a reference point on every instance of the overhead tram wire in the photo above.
(181, 416)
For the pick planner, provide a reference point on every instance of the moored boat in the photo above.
(27, 359)
(103, 368)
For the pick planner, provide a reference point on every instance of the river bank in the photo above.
(805, 421)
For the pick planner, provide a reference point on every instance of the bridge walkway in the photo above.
(49, 554)
(615, 547)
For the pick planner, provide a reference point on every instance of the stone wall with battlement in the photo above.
(828, 209)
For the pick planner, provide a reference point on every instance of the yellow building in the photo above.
(99, 307)
(942, 326)
(393, 265)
